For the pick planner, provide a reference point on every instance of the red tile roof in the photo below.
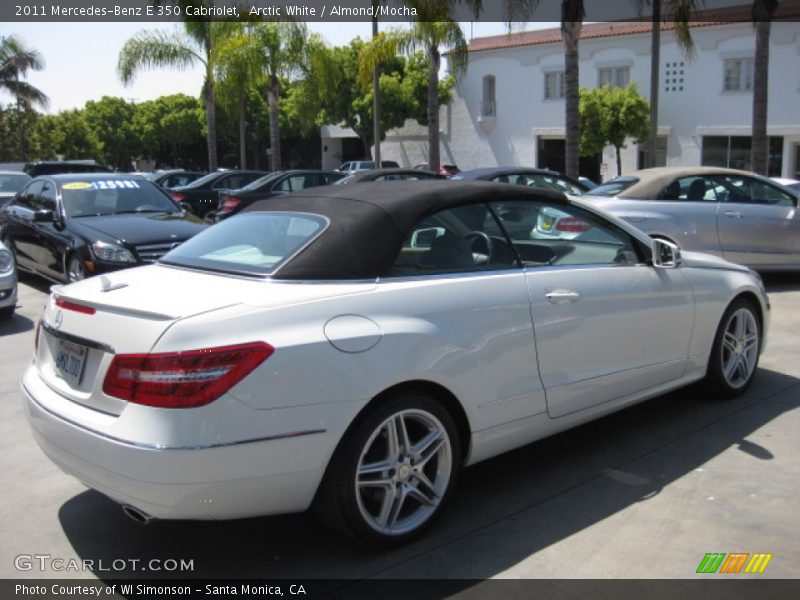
(789, 10)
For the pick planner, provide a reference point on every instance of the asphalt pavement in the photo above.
(644, 493)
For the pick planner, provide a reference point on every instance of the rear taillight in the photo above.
(67, 305)
(229, 203)
(572, 225)
(182, 379)
(178, 197)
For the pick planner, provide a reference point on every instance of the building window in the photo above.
(738, 75)
(673, 77)
(734, 152)
(488, 104)
(554, 85)
(613, 76)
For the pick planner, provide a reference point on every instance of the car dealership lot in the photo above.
(642, 493)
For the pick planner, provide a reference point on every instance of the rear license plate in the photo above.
(70, 360)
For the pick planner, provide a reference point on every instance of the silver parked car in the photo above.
(740, 216)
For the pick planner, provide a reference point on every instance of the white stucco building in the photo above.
(508, 109)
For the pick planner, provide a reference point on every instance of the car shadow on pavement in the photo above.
(781, 282)
(504, 510)
(16, 324)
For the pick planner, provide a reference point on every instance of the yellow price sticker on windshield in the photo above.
(77, 185)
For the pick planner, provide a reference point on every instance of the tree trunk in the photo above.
(242, 134)
(759, 150)
(655, 69)
(211, 125)
(572, 32)
(435, 60)
(376, 100)
(273, 91)
(619, 160)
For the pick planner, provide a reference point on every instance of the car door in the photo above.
(684, 211)
(465, 310)
(50, 241)
(607, 324)
(19, 224)
(758, 223)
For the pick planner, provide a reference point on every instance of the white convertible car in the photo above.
(351, 348)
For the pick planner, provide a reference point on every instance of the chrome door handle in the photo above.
(562, 296)
(733, 214)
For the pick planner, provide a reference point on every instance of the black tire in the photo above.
(728, 350)
(342, 504)
(6, 313)
(76, 270)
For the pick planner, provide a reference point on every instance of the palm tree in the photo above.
(15, 61)
(273, 50)
(763, 11)
(180, 50)
(680, 12)
(237, 68)
(572, 15)
(433, 29)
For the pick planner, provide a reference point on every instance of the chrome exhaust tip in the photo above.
(136, 515)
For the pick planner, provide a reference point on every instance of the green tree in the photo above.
(171, 131)
(609, 116)
(68, 136)
(15, 62)
(433, 30)
(181, 50)
(113, 122)
(763, 12)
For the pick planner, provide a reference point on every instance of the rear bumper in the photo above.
(229, 481)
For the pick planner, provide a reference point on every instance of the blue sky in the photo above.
(80, 59)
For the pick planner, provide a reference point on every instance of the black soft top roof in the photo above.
(369, 221)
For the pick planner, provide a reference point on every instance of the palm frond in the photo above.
(153, 50)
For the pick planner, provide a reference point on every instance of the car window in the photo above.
(109, 197)
(462, 239)
(735, 188)
(614, 187)
(27, 198)
(332, 177)
(10, 182)
(233, 182)
(545, 234)
(253, 243)
(691, 189)
(550, 182)
(46, 200)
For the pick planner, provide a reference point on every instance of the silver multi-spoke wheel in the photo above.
(403, 472)
(740, 346)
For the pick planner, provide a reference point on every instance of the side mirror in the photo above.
(666, 255)
(43, 216)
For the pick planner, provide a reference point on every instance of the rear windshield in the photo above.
(254, 243)
(114, 197)
(613, 187)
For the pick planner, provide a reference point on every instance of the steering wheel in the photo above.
(475, 235)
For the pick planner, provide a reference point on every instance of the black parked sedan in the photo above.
(203, 194)
(542, 179)
(67, 227)
(274, 184)
(173, 178)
